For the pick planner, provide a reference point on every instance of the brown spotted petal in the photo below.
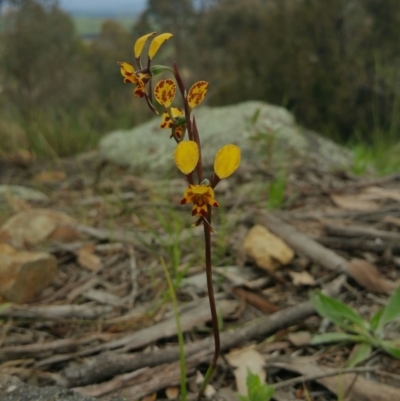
(166, 121)
(201, 196)
(128, 72)
(164, 92)
(197, 93)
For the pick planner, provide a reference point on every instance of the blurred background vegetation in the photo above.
(334, 63)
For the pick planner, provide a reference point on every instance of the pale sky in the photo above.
(118, 7)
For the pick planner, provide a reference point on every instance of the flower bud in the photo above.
(158, 69)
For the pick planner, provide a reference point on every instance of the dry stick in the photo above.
(366, 183)
(107, 365)
(301, 243)
(145, 381)
(346, 386)
(307, 378)
(195, 316)
(85, 311)
(357, 244)
(361, 231)
(350, 187)
(369, 216)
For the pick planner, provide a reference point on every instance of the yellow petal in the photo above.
(128, 72)
(166, 121)
(177, 112)
(227, 161)
(157, 42)
(164, 92)
(126, 68)
(186, 156)
(139, 44)
(197, 93)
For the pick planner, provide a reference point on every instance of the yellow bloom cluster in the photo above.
(187, 154)
(186, 157)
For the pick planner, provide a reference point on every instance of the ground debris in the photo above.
(105, 326)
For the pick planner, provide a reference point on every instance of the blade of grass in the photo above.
(180, 333)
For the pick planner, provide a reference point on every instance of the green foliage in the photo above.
(366, 334)
(256, 390)
(89, 26)
(276, 193)
(333, 65)
(173, 226)
(61, 92)
(381, 154)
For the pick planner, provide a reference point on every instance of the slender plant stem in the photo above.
(213, 308)
(182, 90)
(196, 138)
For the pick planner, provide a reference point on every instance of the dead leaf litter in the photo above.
(95, 315)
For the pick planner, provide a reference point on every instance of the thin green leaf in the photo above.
(257, 391)
(391, 310)
(359, 354)
(252, 381)
(337, 312)
(375, 319)
(333, 338)
(264, 393)
(391, 348)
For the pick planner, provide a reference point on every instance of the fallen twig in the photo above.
(301, 243)
(307, 378)
(107, 365)
(361, 231)
(358, 244)
(347, 385)
(85, 311)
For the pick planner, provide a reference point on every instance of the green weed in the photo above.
(276, 193)
(366, 335)
(173, 225)
(256, 390)
(382, 156)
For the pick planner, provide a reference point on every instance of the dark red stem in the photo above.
(211, 298)
(182, 90)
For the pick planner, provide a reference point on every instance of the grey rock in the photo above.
(17, 191)
(265, 133)
(13, 389)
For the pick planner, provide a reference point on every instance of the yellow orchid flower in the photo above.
(186, 157)
(169, 123)
(142, 76)
(201, 196)
(139, 78)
